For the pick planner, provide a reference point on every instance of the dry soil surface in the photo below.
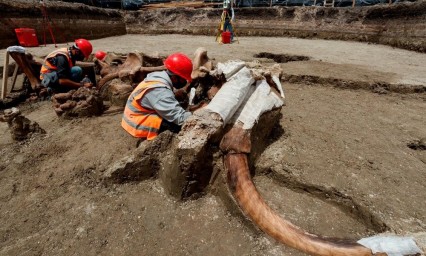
(338, 164)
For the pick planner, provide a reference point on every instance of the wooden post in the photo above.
(5, 76)
(353, 3)
(15, 75)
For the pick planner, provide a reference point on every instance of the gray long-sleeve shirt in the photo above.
(163, 100)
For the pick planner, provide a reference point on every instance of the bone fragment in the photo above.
(191, 96)
(131, 70)
(58, 110)
(9, 114)
(78, 103)
(119, 93)
(132, 64)
(62, 97)
(21, 128)
(279, 86)
(201, 63)
(68, 105)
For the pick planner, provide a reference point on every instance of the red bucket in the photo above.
(226, 37)
(26, 37)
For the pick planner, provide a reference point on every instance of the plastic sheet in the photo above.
(230, 68)
(232, 94)
(391, 245)
(258, 102)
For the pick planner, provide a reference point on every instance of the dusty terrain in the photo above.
(338, 163)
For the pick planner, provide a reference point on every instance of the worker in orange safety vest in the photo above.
(59, 73)
(152, 107)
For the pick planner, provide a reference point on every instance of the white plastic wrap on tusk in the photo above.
(391, 245)
(279, 85)
(229, 97)
(230, 68)
(191, 96)
(257, 103)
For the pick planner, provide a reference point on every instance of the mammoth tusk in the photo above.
(251, 202)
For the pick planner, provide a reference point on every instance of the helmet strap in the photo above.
(170, 73)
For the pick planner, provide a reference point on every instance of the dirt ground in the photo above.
(338, 164)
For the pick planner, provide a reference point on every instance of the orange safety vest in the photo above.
(141, 122)
(48, 67)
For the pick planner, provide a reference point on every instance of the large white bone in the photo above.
(230, 68)
(279, 85)
(231, 95)
(258, 102)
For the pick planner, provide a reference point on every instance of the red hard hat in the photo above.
(84, 46)
(100, 55)
(179, 64)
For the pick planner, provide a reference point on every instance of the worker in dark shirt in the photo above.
(59, 72)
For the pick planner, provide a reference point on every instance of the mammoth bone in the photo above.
(236, 145)
(245, 97)
(21, 128)
(83, 102)
(134, 69)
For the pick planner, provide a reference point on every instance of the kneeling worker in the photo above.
(59, 72)
(152, 106)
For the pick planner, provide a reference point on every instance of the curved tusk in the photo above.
(251, 202)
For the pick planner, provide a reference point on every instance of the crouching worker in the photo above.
(59, 73)
(152, 106)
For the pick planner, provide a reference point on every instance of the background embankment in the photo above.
(68, 21)
(400, 25)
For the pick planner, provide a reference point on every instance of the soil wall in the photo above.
(69, 21)
(401, 25)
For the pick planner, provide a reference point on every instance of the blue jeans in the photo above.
(76, 74)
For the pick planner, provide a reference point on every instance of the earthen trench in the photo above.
(139, 22)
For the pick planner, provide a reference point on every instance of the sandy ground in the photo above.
(338, 164)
